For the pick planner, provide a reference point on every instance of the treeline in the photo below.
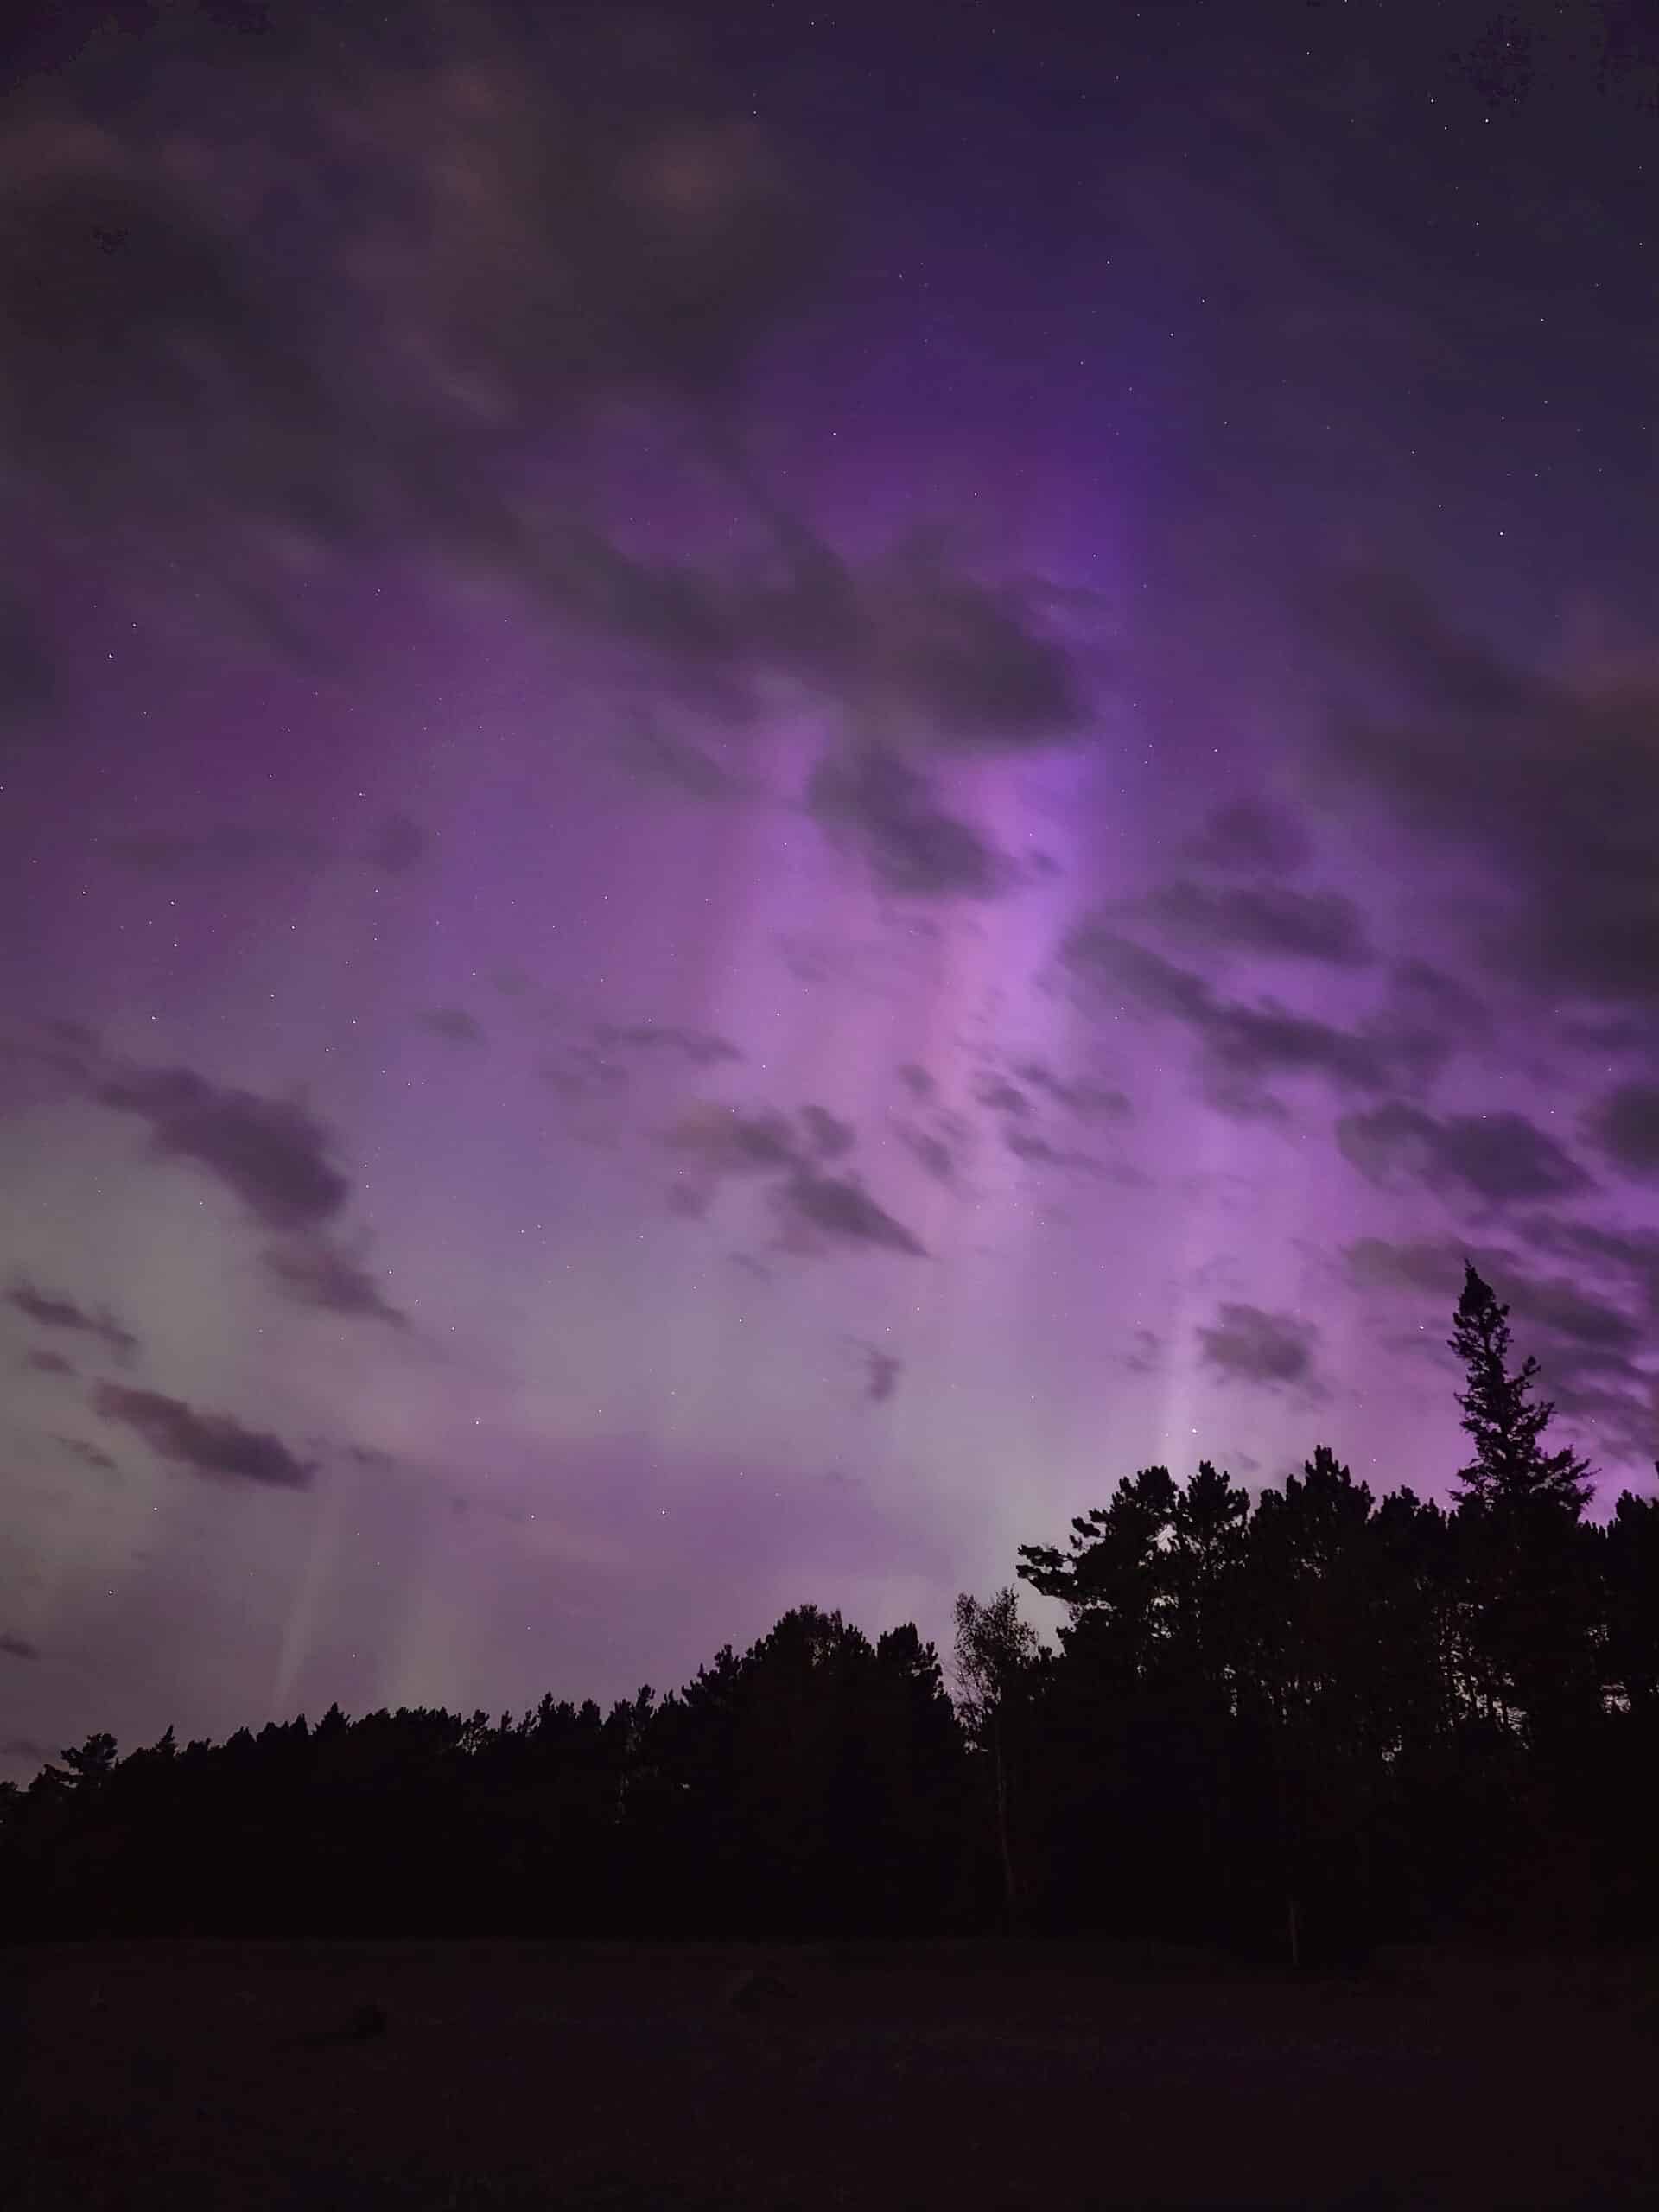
(1298, 1725)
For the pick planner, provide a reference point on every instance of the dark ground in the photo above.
(187, 2074)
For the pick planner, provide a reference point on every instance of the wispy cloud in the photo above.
(699, 1047)
(1244, 1044)
(271, 1154)
(49, 1362)
(1624, 1124)
(840, 1209)
(1246, 1343)
(1500, 1157)
(312, 1270)
(454, 1025)
(208, 1443)
(51, 1309)
(1272, 920)
(882, 1371)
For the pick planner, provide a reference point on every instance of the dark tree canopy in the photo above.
(1296, 1721)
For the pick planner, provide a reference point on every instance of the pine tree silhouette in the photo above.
(1503, 1417)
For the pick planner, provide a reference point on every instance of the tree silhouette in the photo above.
(92, 1762)
(1529, 1603)
(1297, 1722)
(1502, 1416)
(1630, 1573)
(997, 1659)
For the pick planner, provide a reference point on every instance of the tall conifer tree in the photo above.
(1504, 1418)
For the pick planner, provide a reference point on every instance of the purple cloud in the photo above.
(208, 1443)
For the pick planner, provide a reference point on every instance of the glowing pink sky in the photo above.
(740, 965)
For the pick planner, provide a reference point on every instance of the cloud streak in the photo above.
(1624, 1124)
(48, 1310)
(814, 1206)
(1243, 1046)
(311, 1271)
(208, 1443)
(454, 1025)
(700, 1048)
(273, 1155)
(1502, 1158)
(491, 234)
(1272, 920)
(1552, 784)
(1245, 1343)
(885, 810)
(839, 1208)
(1251, 837)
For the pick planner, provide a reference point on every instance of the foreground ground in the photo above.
(431, 2075)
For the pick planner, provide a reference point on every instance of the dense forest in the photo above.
(1295, 1725)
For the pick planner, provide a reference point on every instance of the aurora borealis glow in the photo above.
(774, 790)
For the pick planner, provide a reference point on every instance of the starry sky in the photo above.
(773, 786)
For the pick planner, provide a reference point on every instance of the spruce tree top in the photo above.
(1504, 1418)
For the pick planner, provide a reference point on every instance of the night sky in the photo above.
(774, 788)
